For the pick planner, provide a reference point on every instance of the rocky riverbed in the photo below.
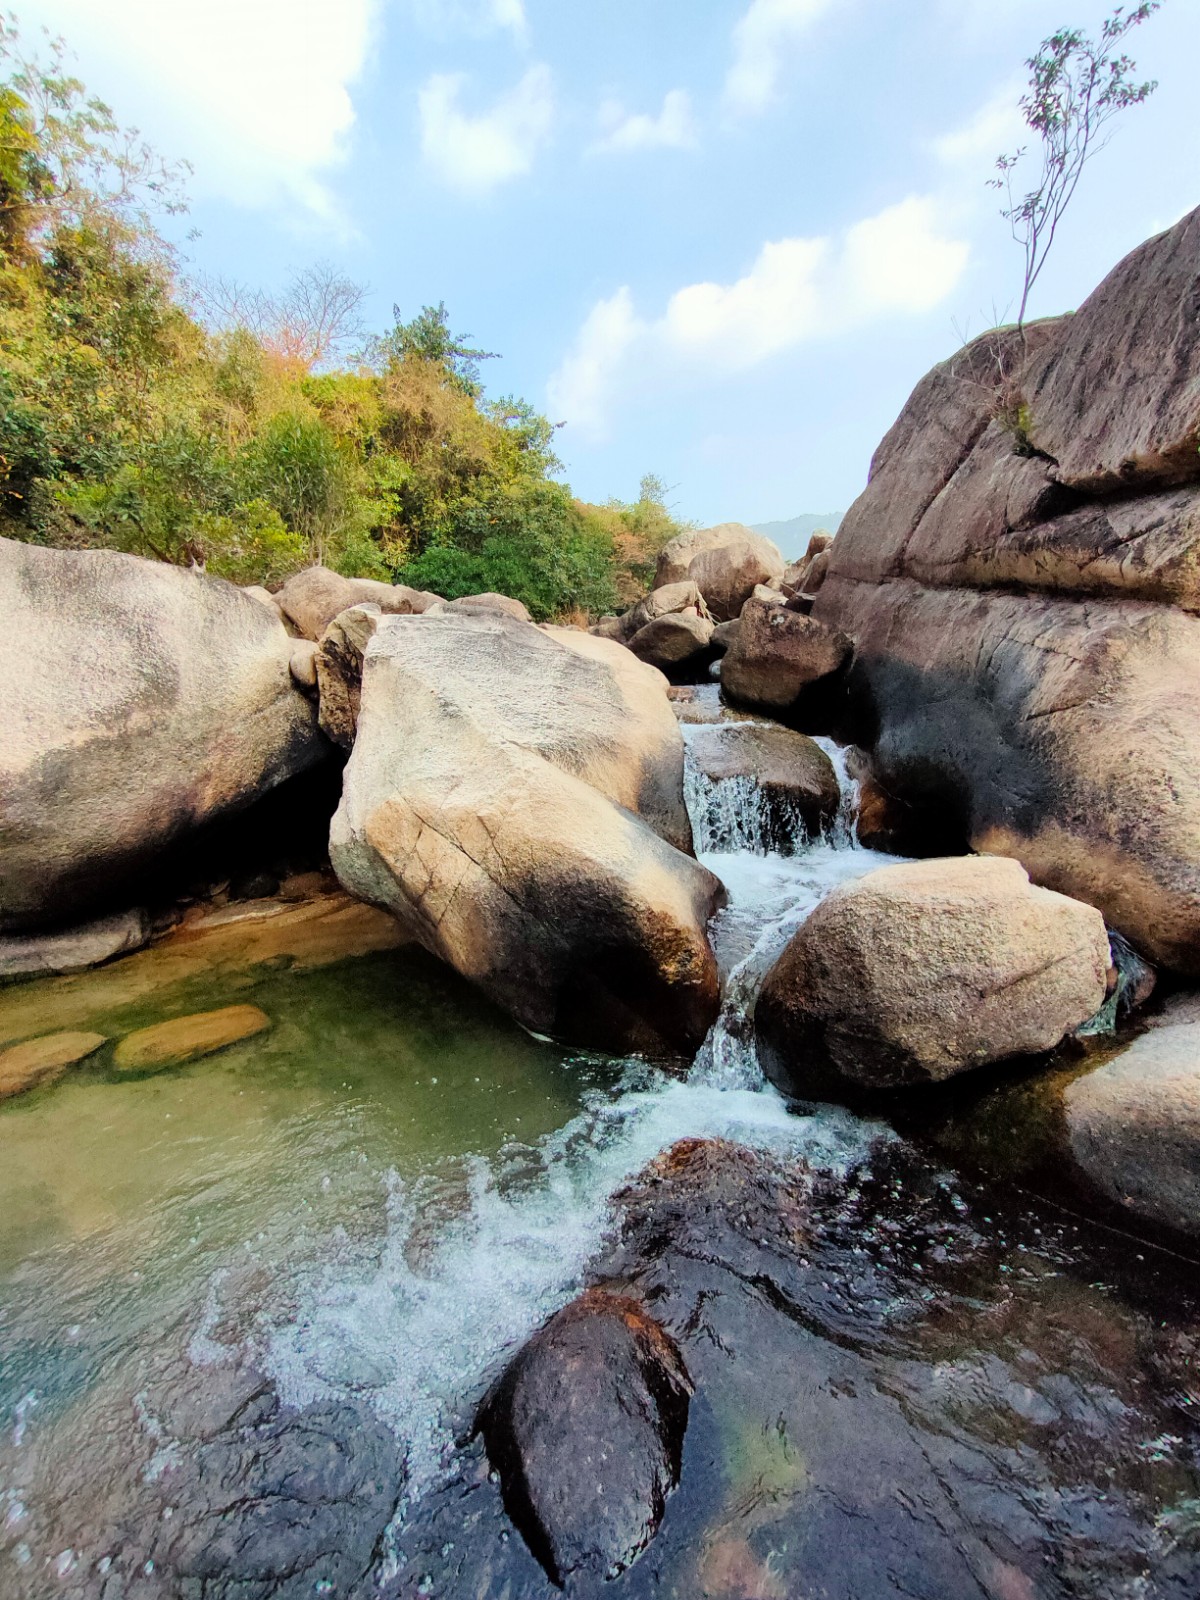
(482, 1112)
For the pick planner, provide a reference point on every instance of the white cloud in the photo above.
(256, 95)
(447, 19)
(761, 39)
(580, 389)
(898, 262)
(996, 128)
(475, 152)
(673, 128)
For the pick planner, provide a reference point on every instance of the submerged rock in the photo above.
(585, 1428)
(1133, 1126)
(790, 774)
(141, 701)
(776, 655)
(37, 1061)
(183, 1039)
(515, 797)
(915, 973)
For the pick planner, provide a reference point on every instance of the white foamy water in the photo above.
(417, 1331)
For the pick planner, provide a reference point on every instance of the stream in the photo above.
(248, 1308)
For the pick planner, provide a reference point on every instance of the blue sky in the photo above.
(719, 239)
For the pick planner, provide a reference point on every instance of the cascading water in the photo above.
(427, 1326)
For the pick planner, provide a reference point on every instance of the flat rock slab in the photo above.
(586, 1428)
(37, 1061)
(73, 949)
(171, 1044)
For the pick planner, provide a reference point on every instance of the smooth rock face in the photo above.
(37, 1061)
(792, 772)
(171, 1044)
(1027, 663)
(585, 1428)
(670, 640)
(915, 973)
(141, 701)
(339, 670)
(73, 950)
(1140, 328)
(1134, 1126)
(724, 563)
(777, 654)
(515, 797)
(315, 596)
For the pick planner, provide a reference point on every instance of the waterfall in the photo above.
(427, 1321)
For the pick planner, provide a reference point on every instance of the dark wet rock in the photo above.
(585, 1428)
(915, 973)
(777, 655)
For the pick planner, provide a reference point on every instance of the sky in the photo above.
(718, 240)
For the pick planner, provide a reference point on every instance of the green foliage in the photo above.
(532, 541)
(208, 423)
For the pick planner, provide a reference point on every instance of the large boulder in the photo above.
(671, 641)
(515, 797)
(585, 1428)
(489, 605)
(1027, 660)
(312, 598)
(1134, 1126)
(777, 655)
(724, 563)
(785, 776)
(670, 599)
(142, 701)
(915, 973)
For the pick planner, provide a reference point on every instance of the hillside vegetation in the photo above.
(194, 422)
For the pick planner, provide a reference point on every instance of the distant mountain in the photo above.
(792, 536)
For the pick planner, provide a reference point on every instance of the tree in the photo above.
(64, 158)
(1077, 85)
(428, 338)
(315, 319)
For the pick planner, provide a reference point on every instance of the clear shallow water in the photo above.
(375, 1202)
